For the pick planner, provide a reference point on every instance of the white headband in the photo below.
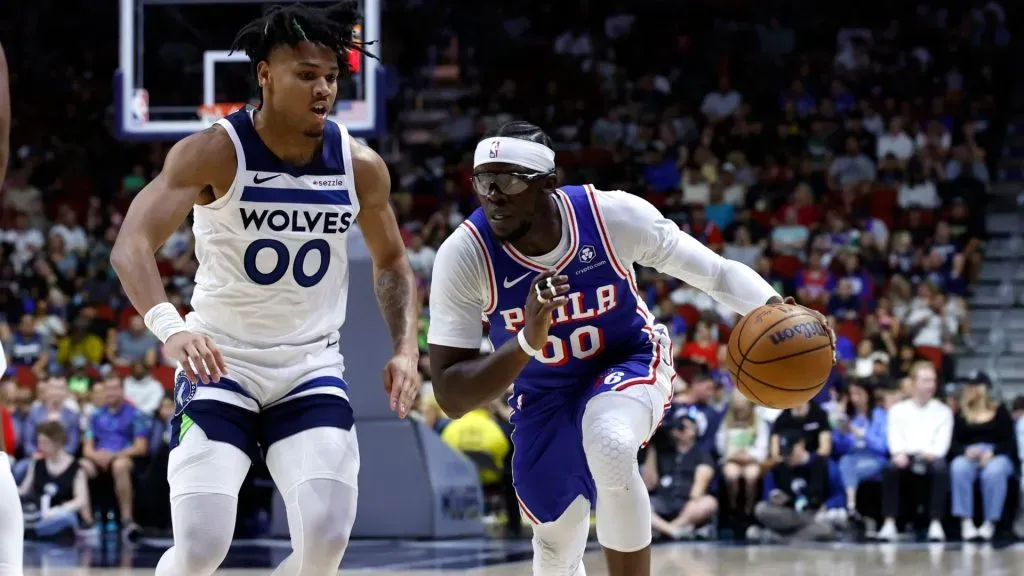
(515, 151)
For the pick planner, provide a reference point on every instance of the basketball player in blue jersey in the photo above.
(12, 529)
(552, 272)
(273, 192)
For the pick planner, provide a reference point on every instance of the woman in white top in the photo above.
(737, 442)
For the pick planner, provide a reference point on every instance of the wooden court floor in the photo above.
(713, 560)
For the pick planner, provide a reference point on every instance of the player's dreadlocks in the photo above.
(333, 27)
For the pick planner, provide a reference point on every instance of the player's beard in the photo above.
(518, 233)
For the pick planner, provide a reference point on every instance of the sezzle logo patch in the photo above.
(805, 330)
(328, 183)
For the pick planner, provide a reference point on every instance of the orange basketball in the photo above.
(780, 355)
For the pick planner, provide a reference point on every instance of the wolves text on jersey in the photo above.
(311, 221)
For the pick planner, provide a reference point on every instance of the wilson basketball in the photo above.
(780, 355)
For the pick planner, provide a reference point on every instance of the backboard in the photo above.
(177, 74)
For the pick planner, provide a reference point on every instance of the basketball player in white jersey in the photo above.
(274, 192)
(12, 529)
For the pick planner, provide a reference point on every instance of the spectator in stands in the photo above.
(984, 445)
(918, 191)
(919, 434)
(27, 241)
(851, 170)
(117, 434)
(812, 283)
(80, 345)
(52, 407)
(678, 475)
(799, 491)
(860, 441)
(1018, 419)
(699, 394)
(895, 142)
(133, 344)
(808, 419)
(965, 164)
(737, 442)
(932, 327)
(790, 238)
(742, 249)
(479, 437)
(142, 390)
(28, 349)
(20, 404)
(701, 348)
(844, 304)
(55, 487)
(70, 231)
(421, 257)
(721, 103)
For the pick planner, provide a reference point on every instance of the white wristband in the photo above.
(530, 350)
(164, 321)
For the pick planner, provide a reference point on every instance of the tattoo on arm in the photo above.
(394, 295)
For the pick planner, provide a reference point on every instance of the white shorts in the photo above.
(287, 404)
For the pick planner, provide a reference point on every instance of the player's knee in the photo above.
(611, 448)
(325, 530)
(200, 546)
(328, 530)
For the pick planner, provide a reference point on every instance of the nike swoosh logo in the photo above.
(514, 282)
(257, 180)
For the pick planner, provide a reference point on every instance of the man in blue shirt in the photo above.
(117, 433)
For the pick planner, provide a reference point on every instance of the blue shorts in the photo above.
(251, 431)
(549, 467)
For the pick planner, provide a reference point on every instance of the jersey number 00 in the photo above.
(284, 259)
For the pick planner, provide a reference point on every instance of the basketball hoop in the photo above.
(210, 113)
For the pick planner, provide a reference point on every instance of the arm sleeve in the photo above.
(641, 235)
(460, 280)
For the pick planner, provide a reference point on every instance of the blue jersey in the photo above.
(604, 319)
(26, 350)
(602, 340)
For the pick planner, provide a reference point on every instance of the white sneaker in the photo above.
(888, 532)
(753, 532)
(968, 531)
(681, 532)
(935, 532)
(987, 531)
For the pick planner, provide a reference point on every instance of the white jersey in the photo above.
(273, 262)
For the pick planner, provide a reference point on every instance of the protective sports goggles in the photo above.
(507, 183)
